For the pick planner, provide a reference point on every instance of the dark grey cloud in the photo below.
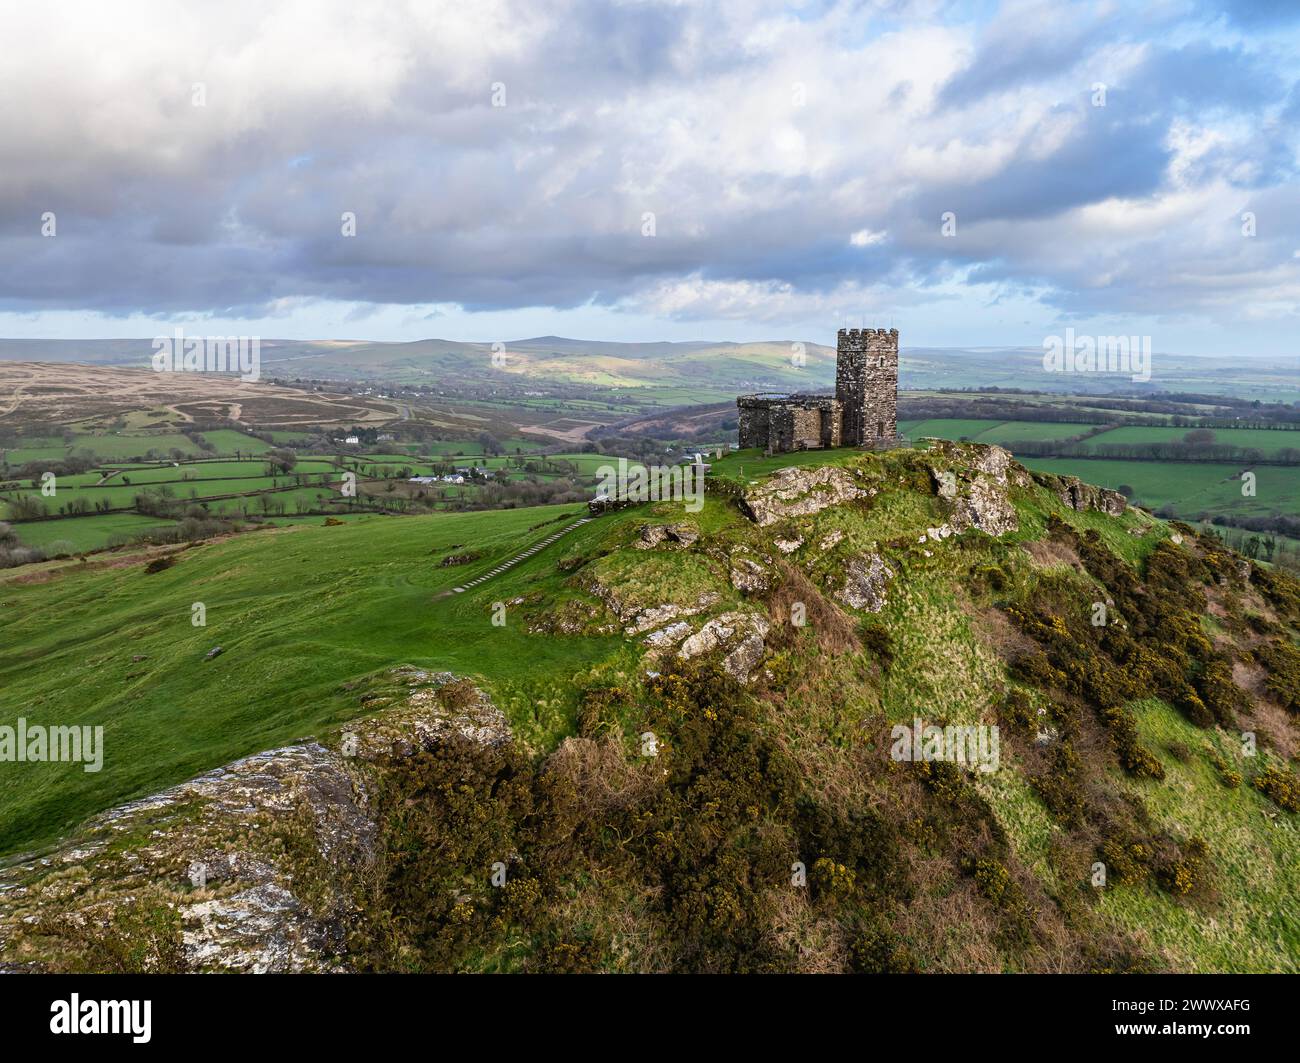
(612, 112)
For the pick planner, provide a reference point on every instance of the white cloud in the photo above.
(868, 237)
(687, 111)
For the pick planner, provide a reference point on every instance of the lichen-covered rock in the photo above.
(212, 851)
(747, 656)
(1083, 497)
(642, 620)
(973, 459)
(864, 583)
(976, 480)
(985, 506)
(796, 492)
(674, 535)
(635, 616)
(428, 717)
(829, 542)
(740, 634)
(572, 617)
(749, 576)
(668, 636)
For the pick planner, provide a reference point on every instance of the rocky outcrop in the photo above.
(635, 616)
(740, 635)
(211, 852)
(864, 583)
(571, 617)
(934, 535)
(984, 506)
(975, 458)
(749, 576)
(1083, 497)
(668, 636)
(674, 536)
(976, 478)
(644, 619)
(796, 492)
(427, 716)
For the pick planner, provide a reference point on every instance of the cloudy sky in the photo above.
(645, 170)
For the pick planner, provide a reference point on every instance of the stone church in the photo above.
(863, 412)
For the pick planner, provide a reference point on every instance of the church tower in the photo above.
(866, 384)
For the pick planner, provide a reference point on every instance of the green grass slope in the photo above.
(297, 611)
(1122, 743)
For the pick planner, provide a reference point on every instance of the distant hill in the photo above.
(695, 371)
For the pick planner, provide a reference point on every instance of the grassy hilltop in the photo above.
(768, 643)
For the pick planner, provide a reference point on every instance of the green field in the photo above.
(287, 439)
(228, 441)
(120, 446)
(1191, 488)
(946, 428)
(205, 482)
(1009, 433)
(214, 470)
(86, 533)
(224, 488)
(1004, 433)
(1263, 439)
(118, 494)
(296, 609)
(126, 445)
(34, 450)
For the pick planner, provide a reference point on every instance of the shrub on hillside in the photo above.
(1186, 873)
(1220, 695)
(1228, 775)
(1128, 861)
(996, 883)
(1282, 659)
(1135, 757)
(877, 641)
(1061, 786)
(1017, 712)
(1280, 785)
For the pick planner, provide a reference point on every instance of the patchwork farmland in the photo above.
(127, 490)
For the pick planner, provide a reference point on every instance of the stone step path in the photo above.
(521, 557)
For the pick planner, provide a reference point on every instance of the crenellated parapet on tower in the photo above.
(866, 384)
(863, 412)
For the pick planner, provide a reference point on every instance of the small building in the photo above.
(862, 412)
(603, 503)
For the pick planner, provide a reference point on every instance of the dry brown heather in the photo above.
(41, 395)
